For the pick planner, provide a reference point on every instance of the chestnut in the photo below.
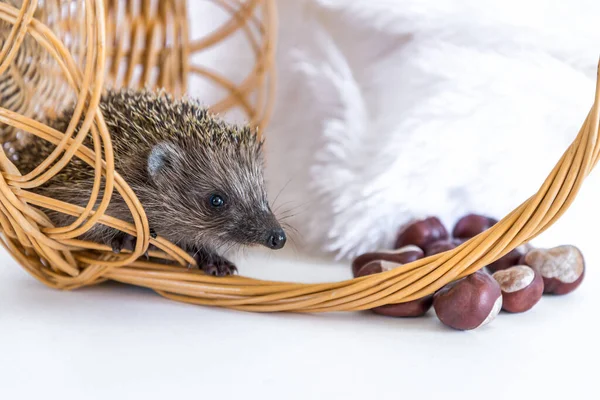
(508, 260)
(375, 267)
(414, 308)
(521, 287)
(403, 255)
(421, 233)
(472, 225)
(562, 268)
(468, 303)
(440, 246)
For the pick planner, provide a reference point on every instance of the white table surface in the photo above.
(120, 342)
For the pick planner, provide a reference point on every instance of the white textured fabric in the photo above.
(393, 110)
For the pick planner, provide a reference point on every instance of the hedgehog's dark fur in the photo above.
(175, 155)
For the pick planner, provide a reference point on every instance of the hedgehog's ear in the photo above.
(161, 160)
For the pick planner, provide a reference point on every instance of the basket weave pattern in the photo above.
(83, 46)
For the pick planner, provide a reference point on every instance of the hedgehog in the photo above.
(198, 177)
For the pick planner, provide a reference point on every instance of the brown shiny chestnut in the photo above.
(403, 255)
(472, 225)
(521, 287)
(421, 233)
(468, 303)
(562, 268)
(508, 260)
(440, 246)
(414, 308)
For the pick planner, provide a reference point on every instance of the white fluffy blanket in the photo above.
(392, 110)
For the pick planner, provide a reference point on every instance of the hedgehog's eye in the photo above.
(216, 200)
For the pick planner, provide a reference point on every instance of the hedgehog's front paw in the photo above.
(214, 265)
(124, 241)
(221, 268)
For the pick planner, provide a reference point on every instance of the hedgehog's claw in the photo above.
(125, 241)
(222, 269)
(122, 241)
(213, 264)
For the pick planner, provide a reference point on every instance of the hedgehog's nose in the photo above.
(276, 239)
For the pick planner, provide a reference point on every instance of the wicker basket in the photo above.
(138, 43)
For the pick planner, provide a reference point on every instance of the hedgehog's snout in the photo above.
(276, 239)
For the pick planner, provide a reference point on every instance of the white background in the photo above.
(118, 342)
